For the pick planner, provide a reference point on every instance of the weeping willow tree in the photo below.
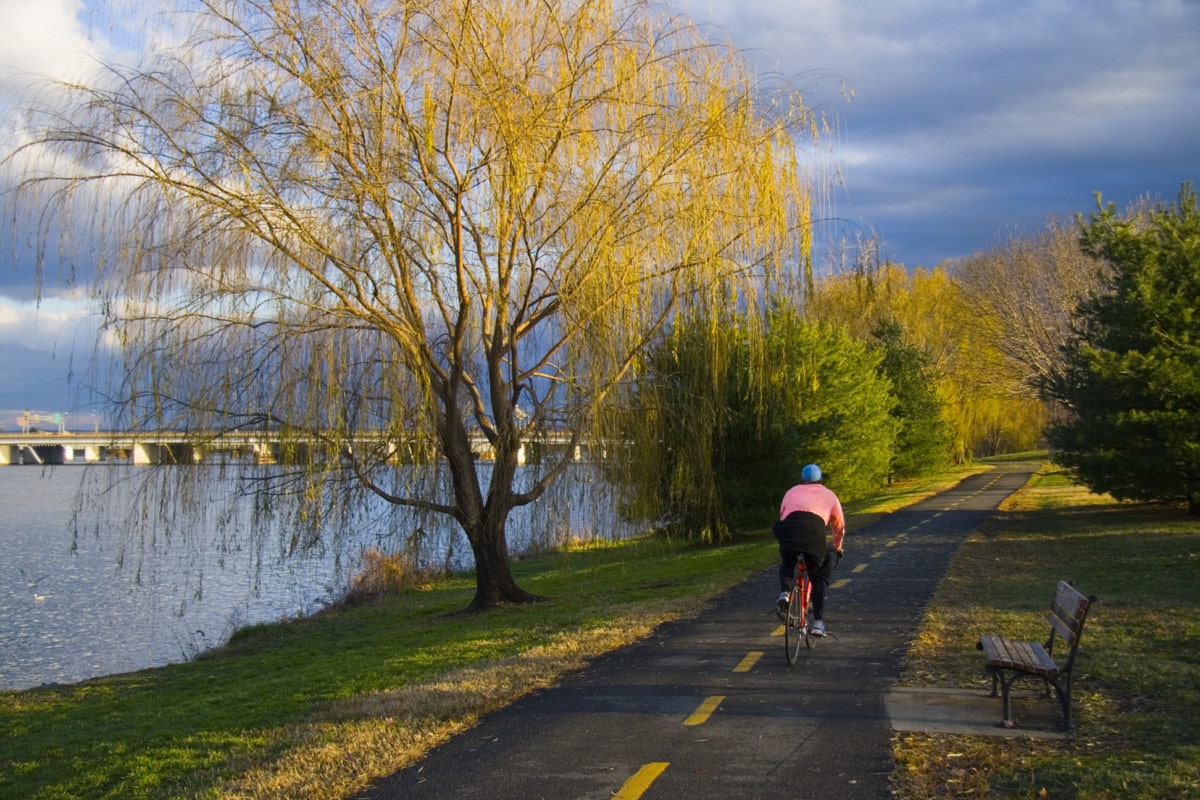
(387, 231)
(688, 396)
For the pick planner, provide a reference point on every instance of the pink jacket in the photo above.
(816, 499)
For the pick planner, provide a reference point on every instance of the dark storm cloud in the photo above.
(972, 120)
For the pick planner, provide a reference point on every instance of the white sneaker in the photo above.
(783, 601)
(818, 628)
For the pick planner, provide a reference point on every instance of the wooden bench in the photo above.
(1008, 660)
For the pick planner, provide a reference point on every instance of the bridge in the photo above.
(161, 447)
(172, 447)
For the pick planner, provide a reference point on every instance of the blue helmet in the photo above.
(811, 474)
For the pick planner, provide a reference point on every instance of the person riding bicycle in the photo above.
(807, 509)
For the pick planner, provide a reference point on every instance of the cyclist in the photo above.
(807, 509)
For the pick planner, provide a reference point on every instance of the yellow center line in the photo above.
(877, 554)
(859, 568)
(749, 661)
(838, 584)
(778, 631)
(640, 781)
(705, 710)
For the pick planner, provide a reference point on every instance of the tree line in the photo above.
(1081, 338)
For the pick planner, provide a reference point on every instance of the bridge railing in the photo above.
(173, 447)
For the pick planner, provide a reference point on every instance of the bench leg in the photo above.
(1064, 701)
(1005, 685)
(1000, 687)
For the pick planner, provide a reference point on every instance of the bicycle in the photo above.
(797, 626)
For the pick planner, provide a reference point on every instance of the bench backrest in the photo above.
(1067, 613)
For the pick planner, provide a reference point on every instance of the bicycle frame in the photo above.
(796, 622)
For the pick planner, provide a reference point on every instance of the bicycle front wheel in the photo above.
(796, 625)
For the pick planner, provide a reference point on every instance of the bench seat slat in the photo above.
(1025, 656)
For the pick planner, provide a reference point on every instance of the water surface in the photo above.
(98, 598)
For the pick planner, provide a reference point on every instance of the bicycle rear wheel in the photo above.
(795, 627)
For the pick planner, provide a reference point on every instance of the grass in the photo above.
(1137, 687)
(316, 707)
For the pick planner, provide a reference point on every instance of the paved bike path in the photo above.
(708, 708)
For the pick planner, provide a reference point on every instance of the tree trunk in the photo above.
(1193, 495)
(484, 522)
(494, 581)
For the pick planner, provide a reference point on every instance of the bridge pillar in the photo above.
(265, 453)
(142, 454)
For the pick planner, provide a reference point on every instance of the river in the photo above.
(81, 601)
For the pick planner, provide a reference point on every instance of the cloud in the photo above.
(969, 119)
(40, 42)
(39, 326)
(49, 356)
(46, 39)
(964, 122)
(48, 336)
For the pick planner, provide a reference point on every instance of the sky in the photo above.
(968, 120)
(955, 124)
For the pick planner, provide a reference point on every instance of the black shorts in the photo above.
(802, 532)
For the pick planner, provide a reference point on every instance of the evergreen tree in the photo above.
(839, 400)
(1131, 380)
(923, 437)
